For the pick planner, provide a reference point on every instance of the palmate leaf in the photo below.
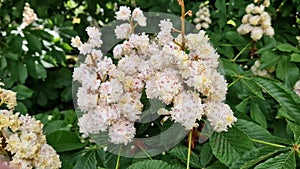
(285, 96)
(150, 164)
(252, 87)
(282, 161)
(255, 131)
(87, 161)
(231, 145)
(180, 152)
(254, 157)
(296, 130)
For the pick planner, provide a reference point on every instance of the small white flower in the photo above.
(124, 13)
(123, 31)
(76, 42)
(121, 132)
(138, 16)
(256, 33)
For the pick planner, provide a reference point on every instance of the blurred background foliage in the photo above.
(38, 61)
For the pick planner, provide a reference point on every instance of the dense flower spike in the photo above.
(110, 93)
(256, 21)
(202, 19)
(23, 138)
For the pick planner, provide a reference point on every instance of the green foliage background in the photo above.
(267, 134)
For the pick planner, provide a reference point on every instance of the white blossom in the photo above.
(219, 115)
(187, 109)
(123, 31)
(124, 13)
(121, 132)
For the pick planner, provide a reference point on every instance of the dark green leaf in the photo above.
(3, 62)
(205, 154)
(285, 96)
(23, 92)
(87, 161)
(63, 141)
(235, 38)
(255, 131)
(285, 47)
(254, 157)
(55, 126)
(216, 165)
(21, 108)
(22, 72)
(269, 59)
(180, 152)
(221, 6)
(282, 161)
(287, 71)
(296, 131)
(34, 43)
(150, 164)
(11, 56)
(252, 87)
(295, 57)
(227, 148)
(257, 115)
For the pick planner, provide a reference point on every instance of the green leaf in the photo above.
(205, 154)
(11, 56)
(228, 68)
(285, 96)
(180, 152)
(63, 141)
(257, 115)
(287, 71)
(285, 47)
(21, 107)
(254, 131)
(216, 165)
(252, 87)
(221, 6)
(150, 164)
(23, 92)
(34, 43)
(254, 157)
(55, 126)
(36, 70)
(269, 59)
(295, 57)
(22, 72)
(3, 62)
(235, 38)
(87, 161)
(282, 161)
(296, 131)
(227, 148)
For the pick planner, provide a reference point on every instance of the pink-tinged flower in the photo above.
(121, 132)
(219, 115)
(123, 14)
(123, 31)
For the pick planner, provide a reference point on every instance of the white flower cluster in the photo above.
(124, 14)
(110, 93)
(256, 21)
(297, 88)
(22, 138)
(29, 16)
(202, 19)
